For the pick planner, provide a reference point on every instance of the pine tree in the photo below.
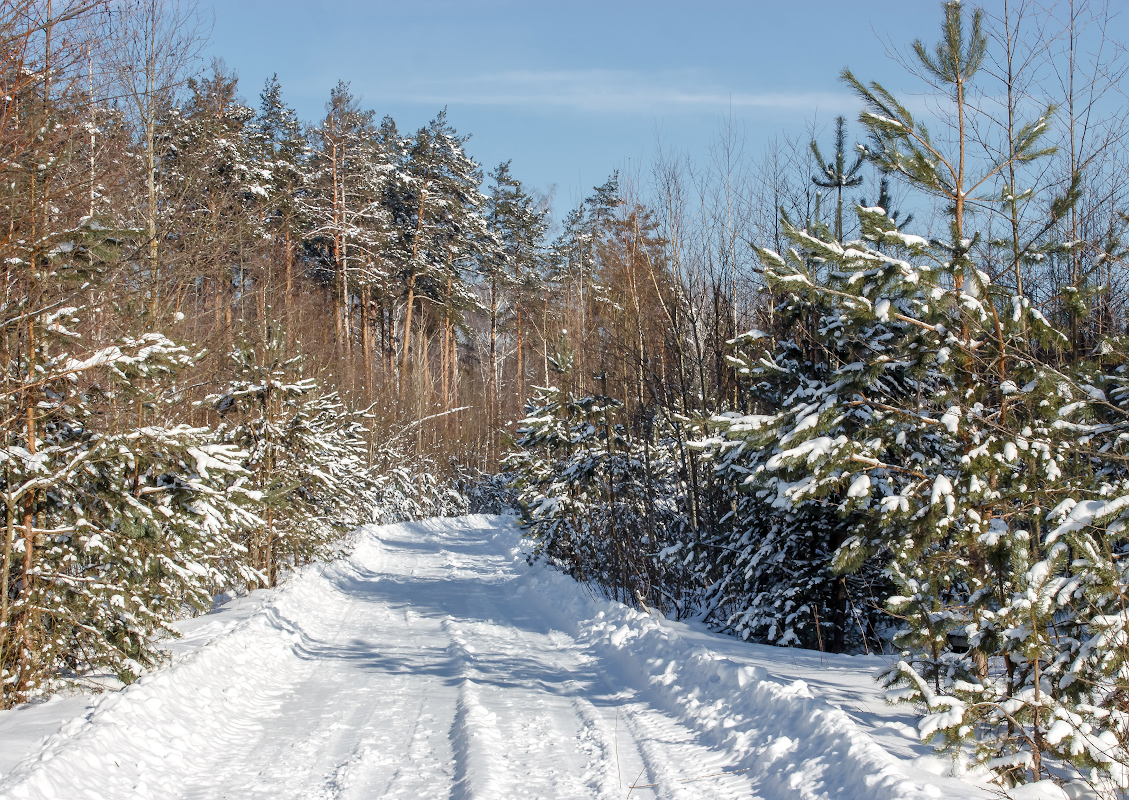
(350, 225)
(903, 146)
(279, 147)
(440, 230)
(801, 521)
(509, 268)
(278, 150)
(598, 503)
(836, 174)
(952, 445)
(885, 202)
(575, 268)
(113, 523)
(208, 172)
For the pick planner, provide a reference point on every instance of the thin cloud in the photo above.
(604, 91)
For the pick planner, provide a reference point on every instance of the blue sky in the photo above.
(572, 90)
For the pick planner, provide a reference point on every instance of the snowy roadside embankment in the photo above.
(433, 662)
(789, 741)
(24, 728)
(168, 719)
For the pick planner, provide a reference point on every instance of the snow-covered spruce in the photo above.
(116, 521)
(940, 438)
(604, 506)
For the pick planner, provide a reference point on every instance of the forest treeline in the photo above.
(859, 390)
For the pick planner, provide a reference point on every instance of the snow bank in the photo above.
(128, 743)
(790, 742)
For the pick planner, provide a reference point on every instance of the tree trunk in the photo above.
(520, 362)
(5, 621)
(338, 316)
(151, 180)
(445, 364)
(492, 382)
(383, 345)
(367, 338)
(411, 292)
(407, 333)
(289, 300)
(27, 572)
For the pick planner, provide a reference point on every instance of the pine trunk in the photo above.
(27, 572)
(407, 334)
(367, 337)
(289, 299)
(492, 390)
(338, 315)
(520, 362)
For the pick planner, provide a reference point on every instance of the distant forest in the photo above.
(859, 390)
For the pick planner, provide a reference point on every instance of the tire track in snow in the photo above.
(413, 759)
(502, 731)
(303, 746)
(479, 749)
(606, 767)
(668, 749)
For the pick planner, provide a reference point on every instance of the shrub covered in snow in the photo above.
(605, 506)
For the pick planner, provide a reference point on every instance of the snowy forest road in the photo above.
(432, 662)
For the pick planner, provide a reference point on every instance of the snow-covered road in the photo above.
(433, 663)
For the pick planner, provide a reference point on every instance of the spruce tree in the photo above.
(305, 456)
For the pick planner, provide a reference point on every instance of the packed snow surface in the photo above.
(432, 662)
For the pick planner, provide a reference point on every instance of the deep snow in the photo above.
(432, 662)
